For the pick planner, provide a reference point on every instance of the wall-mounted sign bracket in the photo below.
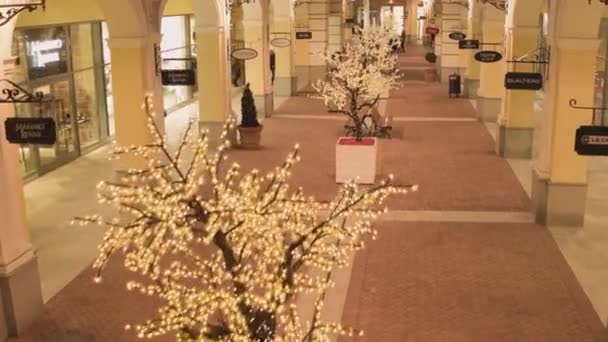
(9, 11)
(16, 94)
(459, 3)
(594, 110)
(501, 5)
(540, 56)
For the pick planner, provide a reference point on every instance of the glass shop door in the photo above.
(60, 108)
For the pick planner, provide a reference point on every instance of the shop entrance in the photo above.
(63, 63)
(44, 158)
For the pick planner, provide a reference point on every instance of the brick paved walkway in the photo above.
(420, 282)
(462, 282)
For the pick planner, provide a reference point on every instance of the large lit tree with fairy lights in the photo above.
(228, 251)
(364, 70)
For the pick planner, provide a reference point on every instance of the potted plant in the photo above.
(362, 72)
(250, 129)
(429, 74)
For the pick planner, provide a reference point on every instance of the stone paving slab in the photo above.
(463, 282)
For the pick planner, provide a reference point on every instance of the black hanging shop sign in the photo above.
(304, 35)
(30, 131)
(488, 56)
(591, 141)
(457, 36)
(27, 130)
(524, 81)
(178, 77)
(468, 44)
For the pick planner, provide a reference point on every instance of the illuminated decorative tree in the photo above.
(360, 73)
(228, 251)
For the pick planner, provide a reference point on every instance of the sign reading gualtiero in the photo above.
(488, 56)
(524, 80)
(244, 53)
(457, 36)
(591, 141)
(304, 35)
(432, 30)
(30, 131)
(468, 44)
(178, 77)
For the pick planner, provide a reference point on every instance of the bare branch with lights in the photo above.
(228, 251)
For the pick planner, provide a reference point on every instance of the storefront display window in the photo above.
(60, 62)
(46, 51)
(601, 92)
(174, 45)
(107, 71)
(87, 114)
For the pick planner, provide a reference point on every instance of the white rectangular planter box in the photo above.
(356, 160)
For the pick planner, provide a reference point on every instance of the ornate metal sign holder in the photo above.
(16, 94)
(594, 110)
(9, 11)
(537, 57)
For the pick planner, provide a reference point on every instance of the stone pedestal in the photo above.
(515, 142)
(470, 88)
(285, 86)
(488, 109)
(20, 296)
(558, 204)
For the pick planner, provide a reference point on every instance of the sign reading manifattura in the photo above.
(244, 54)
(457, 36)
(488, 56)
(280, 42)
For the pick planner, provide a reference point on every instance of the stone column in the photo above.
(491, 75)
(285, 82)
(411, 23)
(20, 292)
(213, 79)
(257, 70)
(559, 185)
(516, 121)
(448, 49)
(135, 74)
(471, 77)
(366, 13)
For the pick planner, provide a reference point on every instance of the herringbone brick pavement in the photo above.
(466, 282)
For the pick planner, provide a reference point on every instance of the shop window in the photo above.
(87, 114)
(46, 51)
(174, 44)
(81, 40)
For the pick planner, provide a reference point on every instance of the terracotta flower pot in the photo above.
(250, 136)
